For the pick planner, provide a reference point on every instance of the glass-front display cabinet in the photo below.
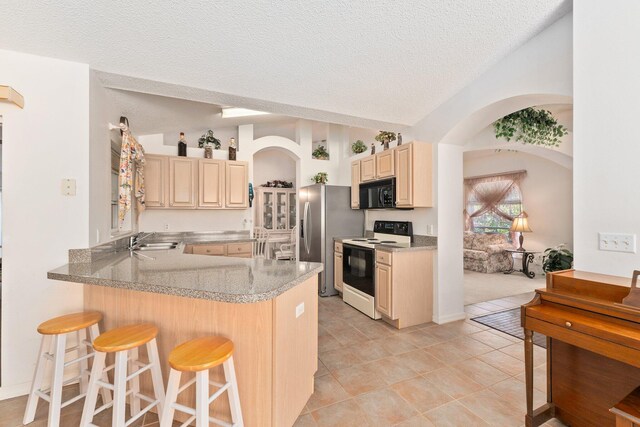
(276, 208)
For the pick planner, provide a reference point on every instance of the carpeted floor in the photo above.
(480, 287)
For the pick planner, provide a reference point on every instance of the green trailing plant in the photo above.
(208, 140)
(320, 153)
(385, 137)
(320, 178)
(358, 147)
(530, 126)
(558, 258)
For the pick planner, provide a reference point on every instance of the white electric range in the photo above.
(358, 272)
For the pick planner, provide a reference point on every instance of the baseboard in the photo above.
(441, 320)
(8, 392)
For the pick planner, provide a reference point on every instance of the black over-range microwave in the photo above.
(379, 194)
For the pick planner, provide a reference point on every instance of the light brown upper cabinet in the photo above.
(211, 183)
(355, 184)
(173, 182)
(183, 181)
(156, 173)
(237, 185)
(413, 172)
(368, 169)
(384, 164)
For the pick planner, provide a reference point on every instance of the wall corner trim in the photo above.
(9, 94)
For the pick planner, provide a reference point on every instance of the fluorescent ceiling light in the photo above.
(240, 112)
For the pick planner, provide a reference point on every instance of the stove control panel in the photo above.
(399, 228)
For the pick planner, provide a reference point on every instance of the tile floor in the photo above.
(370, 374)
(460, 374)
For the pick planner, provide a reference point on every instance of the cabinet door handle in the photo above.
(568, 324)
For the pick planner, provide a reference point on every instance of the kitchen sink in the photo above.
(160, 246)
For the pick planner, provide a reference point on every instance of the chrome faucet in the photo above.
(134, 240)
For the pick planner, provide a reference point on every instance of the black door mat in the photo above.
(509, 322)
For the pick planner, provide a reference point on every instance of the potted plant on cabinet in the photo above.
(208, 142)
(320, 153)
(320, 178)
(358, 147)
(385, 137)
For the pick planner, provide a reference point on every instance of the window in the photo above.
(492, 202)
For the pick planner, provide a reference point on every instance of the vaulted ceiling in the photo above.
(379, 59)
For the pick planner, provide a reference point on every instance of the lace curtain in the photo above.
(487, 193)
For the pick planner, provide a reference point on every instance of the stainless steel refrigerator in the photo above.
(325, 212)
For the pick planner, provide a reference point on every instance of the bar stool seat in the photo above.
(198, 356)
(125, 338)
(124, 343)
(53, 348)
(69, 323)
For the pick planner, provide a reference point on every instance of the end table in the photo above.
(527, 258)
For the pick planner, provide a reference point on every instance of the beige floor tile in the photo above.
(349, 336)
(517, 350)
(475, 311)
(504, 303)
(514, 392)
(373, 329)
(305, 421)
(420, 361)
(480, 326)
(504, 362)
(423, 338)
(506, 336)
(452, 382)
(369, 351)
(417, 421)
(447, 352)
(339, 358)
(491, 339)
(358, 379)
(454, 414)
(322, 370)
(489, 307)
(421, 394)
(479, 371)
(326, 341)
(327, 391)
(385, 407)
(391, 370)
(554, 423)
(397, 344)
(471, 346)
(539, 378)
(492, 409)
(344, 414)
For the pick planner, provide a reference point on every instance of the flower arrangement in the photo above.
(320, 153)
(320, 178)
(358, 147)
(385, 137)
(208, 140)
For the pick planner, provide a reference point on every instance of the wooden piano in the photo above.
(593, 347)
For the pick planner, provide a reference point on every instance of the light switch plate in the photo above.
(68, 187)
(617, 242)
(299, 309)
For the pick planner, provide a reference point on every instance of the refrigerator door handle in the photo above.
(306, 227)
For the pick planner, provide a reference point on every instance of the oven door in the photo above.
(357, 270)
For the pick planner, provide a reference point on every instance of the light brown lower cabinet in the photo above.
(404, 286)
(238, 250)
(337, 266)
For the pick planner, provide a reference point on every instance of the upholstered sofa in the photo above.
(486, 252)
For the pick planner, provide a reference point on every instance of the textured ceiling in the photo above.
(379, 60)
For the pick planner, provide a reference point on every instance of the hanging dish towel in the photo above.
(131, 162)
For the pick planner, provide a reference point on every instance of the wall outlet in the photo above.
(617, 242)
(68, 187)
(166, 227)
(299, 309)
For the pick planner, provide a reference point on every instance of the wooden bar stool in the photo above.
(124, 342)
(54, 336)
(200, 355)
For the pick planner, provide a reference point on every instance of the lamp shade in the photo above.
(521, 223)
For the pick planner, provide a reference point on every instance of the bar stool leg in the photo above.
(134, 399)
(156, 374)
(58, 377)
(202, 398)
(172, 395)
(234, 397)
(94, 332)
(41, 364)
(92, 389)
(120, 389)
(84, 365)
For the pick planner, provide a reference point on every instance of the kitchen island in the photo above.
(268, 308)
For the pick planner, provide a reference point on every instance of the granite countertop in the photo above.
(419, 245)
(171, 272)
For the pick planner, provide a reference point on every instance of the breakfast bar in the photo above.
(268, 308)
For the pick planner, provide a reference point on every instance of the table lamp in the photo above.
(521, 225)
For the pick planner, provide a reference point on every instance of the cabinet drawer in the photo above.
(219, 250)
(337, 247)
(383, 257)
(236, 249)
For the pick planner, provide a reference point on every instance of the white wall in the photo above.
(547, 192)
(606, 149)
(269, 165)
(42, 144)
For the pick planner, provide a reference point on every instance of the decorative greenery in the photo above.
(558, 258)
(359, 147)
(531, 126)
(385, 137)
(320, 178)
(208, 140)
(320, 153)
